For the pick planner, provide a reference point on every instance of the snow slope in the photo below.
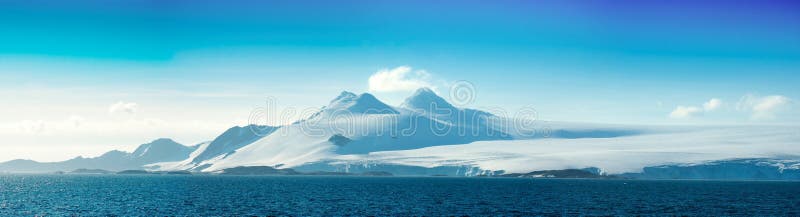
(225, 144)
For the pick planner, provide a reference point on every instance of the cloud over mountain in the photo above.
(402, 78)
(123, 107)
(762, 108)
(691, 111)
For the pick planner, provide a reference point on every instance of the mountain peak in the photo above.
(424, 90)
(345, 95)
(364, 103)
(424, 98)
(366, 97)
(232, 139)
(163, 141)
(160, 148)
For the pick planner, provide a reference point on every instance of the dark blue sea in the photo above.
(207, 195)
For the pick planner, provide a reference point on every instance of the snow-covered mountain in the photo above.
(225, 144)
(427, 102)
(358, 104)
(352, 127)
(159, 150)
(367, 125)
(427, 135)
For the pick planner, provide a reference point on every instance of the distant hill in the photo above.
(90, 171)
(159, 150)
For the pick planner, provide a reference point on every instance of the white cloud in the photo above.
(690, 111)
(32, 126)
(126, 107)
(36, 127)
(685, 112)
(402, 78)
(712, 104)
(762, 107)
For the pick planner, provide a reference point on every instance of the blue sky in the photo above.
(197, 67)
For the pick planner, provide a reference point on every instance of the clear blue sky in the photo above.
(211, 62)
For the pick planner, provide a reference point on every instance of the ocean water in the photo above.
(176, 195)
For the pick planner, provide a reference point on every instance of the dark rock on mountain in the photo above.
(566, 173)
(134, 172)
(90, 171)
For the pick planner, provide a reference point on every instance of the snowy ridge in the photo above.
(222, 146)
(360, 104)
